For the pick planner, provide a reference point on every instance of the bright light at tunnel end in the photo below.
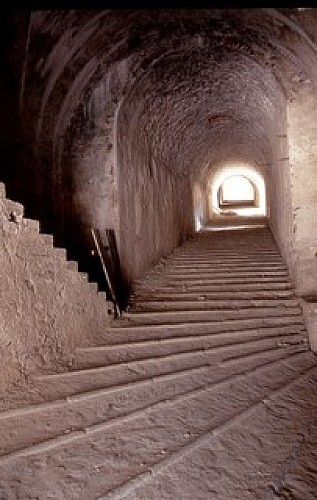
(246, 171)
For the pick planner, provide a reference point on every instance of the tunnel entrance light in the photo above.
(236, 191)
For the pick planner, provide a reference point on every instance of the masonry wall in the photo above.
(302, 130)
(88, 162)
(200, 202)
(156, 206)
(280, 191)
(155, 215)
(47, 308)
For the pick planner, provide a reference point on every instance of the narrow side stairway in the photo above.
(204, 389)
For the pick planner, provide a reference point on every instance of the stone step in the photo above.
(72, 265)
(168, 317)
(224, 261)
(41, 257)
(232, 244)
(240, 266)
(221, 426)
(82, 380)
(102, 295)
(50, 263)
(220, 273)
(87, 357)
(83, 276)
(41, 246)
(202, 356)
(197, 248)
(159, 296)
(84, 426)
(61, 253)
(37, 423)
(58, 268)
(215, 242)
(138, 333)
(31, 225)
(162, 281)
(203, 288)
(13, 210)
(225, 254)
(224, 251)
(192, 270)
(222, 244)
(190, 255)
(93, 286)
(48, 239)
(186, 305)
(232, 255)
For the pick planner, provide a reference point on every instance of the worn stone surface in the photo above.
(46, 308)
(190, 410)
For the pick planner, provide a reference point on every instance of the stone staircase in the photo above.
(47, 307)
(204, 389)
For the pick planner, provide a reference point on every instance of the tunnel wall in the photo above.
(302, 129)
(89, 162)
(75, 67)
(280, 189)
(209, 92)
(156, 208)
(200, 203)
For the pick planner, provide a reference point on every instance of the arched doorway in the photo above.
(237, 190)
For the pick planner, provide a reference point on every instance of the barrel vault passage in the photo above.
(158, 254)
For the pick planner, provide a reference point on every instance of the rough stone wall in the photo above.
(280, 189)
(200, 203)
(153, 218)
(47, 307)
(302, 129)
(93, 162)
(156, 209)
(90, 161)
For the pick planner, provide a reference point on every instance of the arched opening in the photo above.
(237, 190)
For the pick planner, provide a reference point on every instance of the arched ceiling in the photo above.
(204, 112)
(200, 86)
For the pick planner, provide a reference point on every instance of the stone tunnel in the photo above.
(169, 127)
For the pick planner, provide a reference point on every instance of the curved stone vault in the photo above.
(130, 120)
(149, 102)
